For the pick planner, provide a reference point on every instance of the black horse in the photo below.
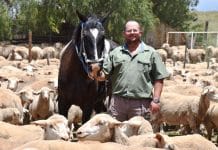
(79, 58)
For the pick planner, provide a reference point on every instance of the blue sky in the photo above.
(207, 5)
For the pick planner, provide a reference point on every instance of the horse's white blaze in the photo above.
(95, 34)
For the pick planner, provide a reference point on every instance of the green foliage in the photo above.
(175, 13)
(46, 17)
(5, 22)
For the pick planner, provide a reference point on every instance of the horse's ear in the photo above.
(105, 17)
(81, 17)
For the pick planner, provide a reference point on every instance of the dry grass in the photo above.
(211, 17)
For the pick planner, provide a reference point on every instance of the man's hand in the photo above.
(100, 76)
(154, 107)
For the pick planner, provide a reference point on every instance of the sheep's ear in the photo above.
(205, 90)
(114, 123)
(41, 123)
(21, 80)
(36, 92)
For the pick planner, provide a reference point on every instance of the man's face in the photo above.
(132, 32)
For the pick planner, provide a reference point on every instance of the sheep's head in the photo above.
(56, 127)
(98, 128)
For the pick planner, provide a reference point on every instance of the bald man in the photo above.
(137, 74)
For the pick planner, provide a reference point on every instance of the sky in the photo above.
(207, 5)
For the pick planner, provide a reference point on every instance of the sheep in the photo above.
(211, 119)
(213, 51)
(54, 128)
(29, 69)
(48, 52)
(66, 145)
(99, 128)
(163, 54)
(179, 109)
(168, 49)
(14, 56)
(42, 106)
(8, 99)
(104, 128)
(136, 125)
(22, 51)
(74, 115)
(196, 55)
(26, 96)
(87, 145)
(13, 83)
(12, 136)
(10, 115)
(6, 50)
(192, 142)
(36, 52)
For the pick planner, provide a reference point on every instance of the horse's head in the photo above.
(91, 43)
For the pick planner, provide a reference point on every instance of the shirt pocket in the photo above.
(143, 66)
(118, 64)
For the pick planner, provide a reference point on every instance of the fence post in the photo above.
(30, 45)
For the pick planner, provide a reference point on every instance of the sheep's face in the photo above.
(99, 128)
(56, 131)
(56, 127)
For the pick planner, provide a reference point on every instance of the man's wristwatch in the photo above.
(156, 100)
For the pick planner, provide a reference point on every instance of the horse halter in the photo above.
(82, 51)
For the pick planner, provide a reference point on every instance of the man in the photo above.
(137, 73)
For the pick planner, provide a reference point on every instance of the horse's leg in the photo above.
(87, 114)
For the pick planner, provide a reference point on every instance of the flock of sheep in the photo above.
(29, 116)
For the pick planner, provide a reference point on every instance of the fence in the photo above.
(194, 39)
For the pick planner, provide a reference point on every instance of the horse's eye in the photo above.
(102, 32)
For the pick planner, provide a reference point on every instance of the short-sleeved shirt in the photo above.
(133, 76)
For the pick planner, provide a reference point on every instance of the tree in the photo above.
(5, 22)
(175, 13)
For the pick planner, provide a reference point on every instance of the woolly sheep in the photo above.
(192, 142)
(211, 119)
(176, 109)
(8, 99)
(56, 127)
(42, 106)
(10, 115)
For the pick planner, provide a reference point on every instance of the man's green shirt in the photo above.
(133, 76)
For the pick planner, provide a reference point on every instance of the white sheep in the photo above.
(211, 119)
(176, 109)
(187, 142)
(42, 106)
(196, 55)
(214, 52)
(163, 54)
(104, 128)
(8, 99)
(136, 125)
(56, 127)
(37, 53)
(10, 115)
(66, 145)
(74, 115)
(99, 128)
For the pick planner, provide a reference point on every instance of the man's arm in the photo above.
(155, 103)
(158, 86)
